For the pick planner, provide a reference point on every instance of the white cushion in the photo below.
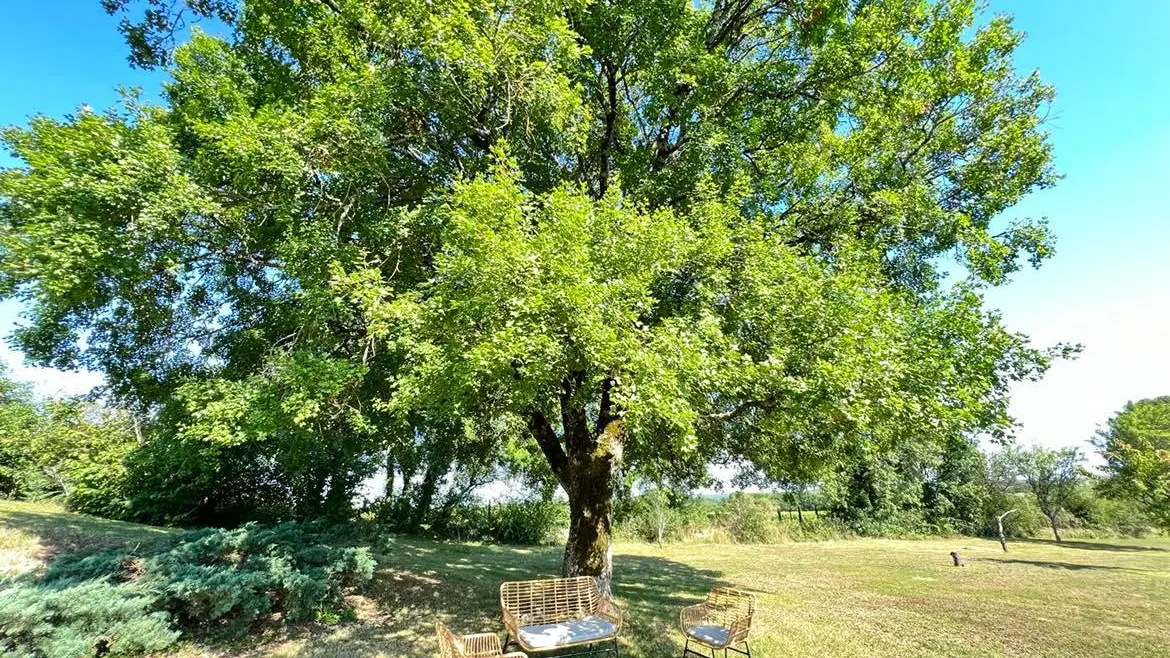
(549, 636)
(710, 634)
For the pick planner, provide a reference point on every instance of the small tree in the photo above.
(999, 526)
(1052, 476)
(656, 515)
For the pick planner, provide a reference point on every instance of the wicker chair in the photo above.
(545, 615)
(721, 622)
(480, 645)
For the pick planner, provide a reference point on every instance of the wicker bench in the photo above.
(546, 615)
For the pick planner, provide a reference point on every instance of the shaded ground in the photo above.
(847, 598)
(31, 533)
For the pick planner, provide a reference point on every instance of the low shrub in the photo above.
(214, 583)
(814, 528)
(750, 519)
(70, 619)
(527, 522)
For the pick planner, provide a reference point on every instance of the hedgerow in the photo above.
(212, 584)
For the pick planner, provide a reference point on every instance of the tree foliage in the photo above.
(1051, 475)
(72, 449)
(920, 488)
(1136, 447)
(652, 233)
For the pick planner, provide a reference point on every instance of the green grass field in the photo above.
(867, 598)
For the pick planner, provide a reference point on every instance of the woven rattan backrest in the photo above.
(554, 601)
(449, 645)
(727, 604)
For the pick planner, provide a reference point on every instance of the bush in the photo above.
(1090, 514)
(529, 522)
(216, 583)
(750, 519)
(72, 450)
(70, 619)
(814, 528)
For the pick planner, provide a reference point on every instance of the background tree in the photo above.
(1051, 475)
(73, 449)
(656, 234)
(1136, 448)
(19, 422)
(926, 486)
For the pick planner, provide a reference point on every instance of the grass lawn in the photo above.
(867, 598)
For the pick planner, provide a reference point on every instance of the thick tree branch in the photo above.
(573, 422)
(741, 409)
(609, 137)
(549, 444)
(605, 413)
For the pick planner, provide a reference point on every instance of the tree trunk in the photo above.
(584, 460)
(999, 522)
(388, 489)
(588, 552)
(1055, 530)
(426, 496)
(799, 515)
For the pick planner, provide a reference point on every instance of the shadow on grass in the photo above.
(64, 532)
(419, 581)
(1091, 545)
(1068, 566)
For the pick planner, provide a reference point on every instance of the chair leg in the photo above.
(745, 651)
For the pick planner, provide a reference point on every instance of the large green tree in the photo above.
(1136, 448)
(655, 233)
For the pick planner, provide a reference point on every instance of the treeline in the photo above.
(103, 461)
(955, 488)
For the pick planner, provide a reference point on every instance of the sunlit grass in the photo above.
(869, 598)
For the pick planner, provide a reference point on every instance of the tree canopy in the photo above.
(1136, 447)
(1051, 475)
(652, 233)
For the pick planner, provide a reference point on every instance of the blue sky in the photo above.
(1106, 287)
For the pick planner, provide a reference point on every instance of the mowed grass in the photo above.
(867, 598)
(32, 533)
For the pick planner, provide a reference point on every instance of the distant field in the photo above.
(868, 598)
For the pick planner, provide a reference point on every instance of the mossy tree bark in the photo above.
(584, 459)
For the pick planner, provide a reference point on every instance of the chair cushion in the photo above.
(711, 635)
(548, 636)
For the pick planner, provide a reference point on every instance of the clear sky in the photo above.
(1106, 287)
